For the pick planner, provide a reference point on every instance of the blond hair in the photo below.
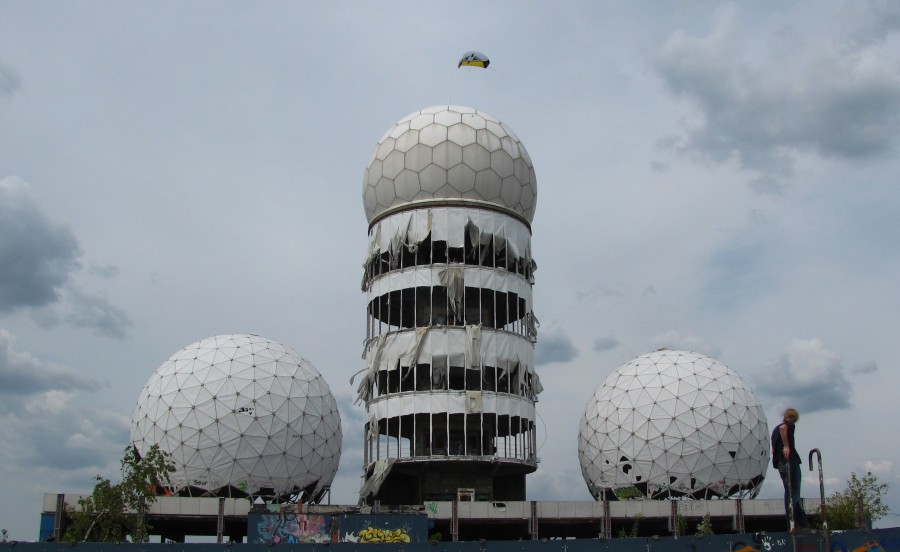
(791, 415)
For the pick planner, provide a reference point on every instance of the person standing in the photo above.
(786, 460)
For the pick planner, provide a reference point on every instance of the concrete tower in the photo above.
(449, 384)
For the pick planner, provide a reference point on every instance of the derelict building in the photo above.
(449, 385)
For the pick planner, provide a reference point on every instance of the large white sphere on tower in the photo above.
(241, 412)
(448, 153)
(673, 423)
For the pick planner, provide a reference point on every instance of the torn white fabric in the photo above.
(448, 224)
(416, 233)
(481, 240)
(380, 471)
(532, 325)
(441, 345)
(452, 225)
(450, 403)
(473, 402)
(514, 380)
(405, 359)
(451, 277)
(397, 240)
(530, 264)
(373, 354)
(472, 276)
(536, 385)
(374, 253)
(473, 346)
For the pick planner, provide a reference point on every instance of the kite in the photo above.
(474, 59)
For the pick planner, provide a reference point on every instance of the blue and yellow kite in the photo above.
(474, 59)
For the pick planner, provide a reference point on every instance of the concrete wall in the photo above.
(878, 540)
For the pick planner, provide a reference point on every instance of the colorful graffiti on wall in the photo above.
(812, 543)
(871, 545)
(384, 528)
(288, 527)
(373, 535)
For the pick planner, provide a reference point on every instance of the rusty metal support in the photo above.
(822, 508)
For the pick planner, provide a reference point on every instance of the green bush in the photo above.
(859, 505)
(112, 512)
(704, 528)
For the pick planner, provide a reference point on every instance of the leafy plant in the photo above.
(627, 493)
(704, 528)
(681, 525)
(861, 503)
(114, 512)
(636, 527)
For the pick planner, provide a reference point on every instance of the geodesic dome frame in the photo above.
(241, 415)
(450, 153)
(673, 424)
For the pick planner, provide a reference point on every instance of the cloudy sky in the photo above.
(711, 176)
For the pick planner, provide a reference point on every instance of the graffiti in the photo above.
(741, 546)
(764, 543)
(388, 528)
(432, 507)
(812, 543)
(291, 528)
(867, 546)
(889, 543)
(371, 535)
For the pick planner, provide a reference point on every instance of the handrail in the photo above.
(822, 507)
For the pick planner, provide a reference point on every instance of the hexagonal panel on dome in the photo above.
(241, 412)
(673, 424)
(465, 143)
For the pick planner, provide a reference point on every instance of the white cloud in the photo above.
(37, 256)
(107, 270)
(827, 99)
(45, 431)
(677, 341)
(807, 377)
(869, 367)
(873, 22)
(22, 375)
(554, 346)
(879, 467)
(605, 343)
(551, 485)
(95, 312)
(38, 261)
(9, 81)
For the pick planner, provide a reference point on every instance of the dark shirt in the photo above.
(778, 445)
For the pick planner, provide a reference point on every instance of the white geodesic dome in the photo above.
(450, 153)
(670, 424)
(241, 414)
